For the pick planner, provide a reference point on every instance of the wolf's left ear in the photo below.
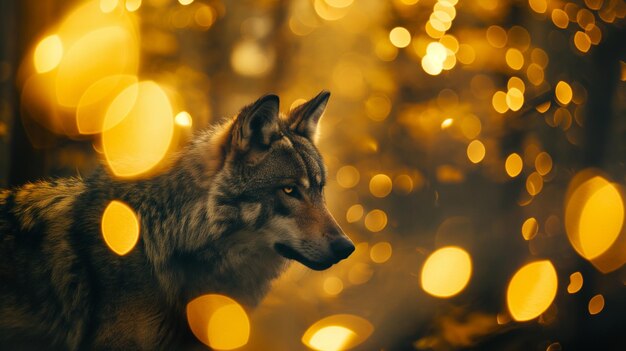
(257, 125)
(304, 118)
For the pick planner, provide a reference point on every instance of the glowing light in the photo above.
(596, 304)
(594, 4)
(514, 58)
(563, 92)
(339, 3)
(375, 220)
(431, 66)
(108, 5)
(377, 107)
(333, 286)
(476, 151)
(380, 185)
(582, 41)
(89, 60)
(514, 99)
(531, 290)
(250, 59)
(575, 282)
(530, 228)
(120, 227)
(185, 2)
(138, 129)
(594, 215)
(354, 213)
(513, 165)
(360, 273)
(48, 54)
(466, 54)
(133, 5)
(517, 83)
(498, 101)
(218, 321)
(560, 18)
(400, 37)
(348, 176)
(446, 123)
(535, 75)
(183, 119)
(446, 272)
(534, 183)
(471, 126)
(539, 6)
(381, 252)
(496, 36)
(327, 12)
(337, 332)
(543, 163)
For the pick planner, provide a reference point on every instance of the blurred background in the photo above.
(476, 150)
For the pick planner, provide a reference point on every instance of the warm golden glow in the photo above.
(132, 5)
(539, 6)
(498, 101)
(185, 2)
(354, 213)
(108, 5)
(513, 165)
(380, 185)
(337, 332)
(251, 59)
(348, 176)
(446, 271)
(514, 58)
(582, 41)
(534, 183)
(446, 123)
(514, 99)
(543, 163)
(560, 18)
(120, 227)
(218, 321)
(333, 286)
(575, 282)
(376, 220)
(594, 215)
(596, 304)
(48, 54)
(378, 107)
(563, 92)
(381, 252)
(138, 130)
(183, 119)
(475, 151)
(400, 37)
(530, 228)
(531, 290)
(496, 36)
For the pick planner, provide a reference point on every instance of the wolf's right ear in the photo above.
(257, 125)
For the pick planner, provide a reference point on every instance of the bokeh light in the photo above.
(48, 53)
(218, 321)
(575, 282)
(120, 227)
(531, 290)
(446, 272)
(596, 304)
(337, 332)
(513, 165)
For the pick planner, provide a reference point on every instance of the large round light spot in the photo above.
(594, 216)
(48, 54)
(513, 165)
(476, 151)
(337, 332)
(376, 220)
(218, 321)
(446, 271)
(380, 185)
(138, 129)
(120, 227)
(531, 290)
(348, 176)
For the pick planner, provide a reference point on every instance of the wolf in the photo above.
(237, 204)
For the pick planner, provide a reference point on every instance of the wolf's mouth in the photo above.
(290, 253)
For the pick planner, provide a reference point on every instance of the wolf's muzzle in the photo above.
(342, 248)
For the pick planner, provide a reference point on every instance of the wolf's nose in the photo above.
(342, 248)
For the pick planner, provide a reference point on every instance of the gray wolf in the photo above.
(235, 206)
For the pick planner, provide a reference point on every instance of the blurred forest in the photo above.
(494, 126)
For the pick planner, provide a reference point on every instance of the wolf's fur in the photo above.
(238, 201)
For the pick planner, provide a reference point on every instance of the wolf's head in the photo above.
(268, 174)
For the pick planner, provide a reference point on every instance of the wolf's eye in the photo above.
(288, 190)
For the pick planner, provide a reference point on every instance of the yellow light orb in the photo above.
(381, 252)
(534, 183)
(513, 165)
(596, 304)
(376, 220)
(380, 185)
(218, 321)
(575, 282)
(348, 176)
(514, 58)
(531, 290)
(563, 92)
(530, 228)
(543, 163)
(539, 6)
(354, 213)
(476, 151)
(514, 99)
(183, 119)
(337, 332)
(333, 286)
(498, 101)
(120, 227)
(446, 271)
(141, 132)
(400, 37)
(48, 54)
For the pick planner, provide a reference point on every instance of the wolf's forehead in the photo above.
(310, 161)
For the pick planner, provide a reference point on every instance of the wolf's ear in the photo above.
(257, 125)
(304, 118)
